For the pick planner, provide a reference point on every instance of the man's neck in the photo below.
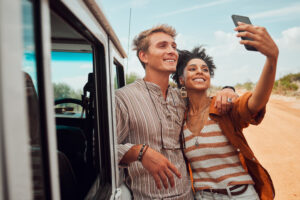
(159, 78)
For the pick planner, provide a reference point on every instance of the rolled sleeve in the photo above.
(122, 130)
(122, 150)
(243, 115)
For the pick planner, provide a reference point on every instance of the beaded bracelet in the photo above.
(139, 158)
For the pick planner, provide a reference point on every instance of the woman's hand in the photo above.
(262, 41)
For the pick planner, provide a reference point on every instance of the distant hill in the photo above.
(288, 85)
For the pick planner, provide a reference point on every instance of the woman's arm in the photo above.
(263, 42)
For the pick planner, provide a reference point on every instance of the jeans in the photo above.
(249, 194)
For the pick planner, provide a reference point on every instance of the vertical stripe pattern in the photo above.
(138, 123)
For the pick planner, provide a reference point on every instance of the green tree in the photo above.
(247, 85)
(287, 84)
(63, 90)
(131, 77)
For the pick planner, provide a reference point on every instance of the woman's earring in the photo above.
(183, 92)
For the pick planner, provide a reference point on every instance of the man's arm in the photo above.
(263, 42)
(157, 165)
(224, 99)
(154, 162)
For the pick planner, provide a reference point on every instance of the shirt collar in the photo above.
(151, 86)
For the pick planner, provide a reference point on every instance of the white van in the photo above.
(60, 62)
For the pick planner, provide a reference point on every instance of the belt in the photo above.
(224, 191)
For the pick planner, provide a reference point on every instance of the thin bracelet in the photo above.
(141, 153)
(144, 152)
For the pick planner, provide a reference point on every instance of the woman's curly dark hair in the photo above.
(185, 56)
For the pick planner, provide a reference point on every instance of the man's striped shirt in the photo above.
(138, 122)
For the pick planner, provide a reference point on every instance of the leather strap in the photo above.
(224, 191)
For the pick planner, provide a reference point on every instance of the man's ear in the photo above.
(143, 56)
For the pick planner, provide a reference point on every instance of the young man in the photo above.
(149, 119)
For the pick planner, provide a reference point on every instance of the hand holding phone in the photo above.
(246, 20)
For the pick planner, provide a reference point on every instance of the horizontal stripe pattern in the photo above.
(214, 161)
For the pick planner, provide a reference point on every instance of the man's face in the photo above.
(162, 54)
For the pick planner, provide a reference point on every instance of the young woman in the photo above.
(223, 165)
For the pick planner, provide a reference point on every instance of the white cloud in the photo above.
(134, 65)
(186, 42)
(290, 39)
(86, 66)
(195, 7)
(227, 43)
(290, 10)
(234, 63)
(76, 82)
(289, 50)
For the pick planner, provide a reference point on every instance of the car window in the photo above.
(69, 75)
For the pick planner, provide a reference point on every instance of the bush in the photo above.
(287, 84)
(131, 78)
(247, 85)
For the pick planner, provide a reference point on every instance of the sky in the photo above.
(71, 68)
(209, 23)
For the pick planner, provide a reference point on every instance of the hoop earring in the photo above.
(183, 92)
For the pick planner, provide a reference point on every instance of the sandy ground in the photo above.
(276, 143)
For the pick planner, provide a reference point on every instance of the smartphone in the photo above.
(246, 20)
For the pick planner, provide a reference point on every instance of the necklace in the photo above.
(162, 141)
(203, 112)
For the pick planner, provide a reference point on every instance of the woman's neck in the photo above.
(198, 101)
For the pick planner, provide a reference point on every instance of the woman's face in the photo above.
(196, 75)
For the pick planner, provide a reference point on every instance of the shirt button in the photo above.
(238, 150)
(253, 159)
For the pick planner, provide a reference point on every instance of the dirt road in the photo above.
(276, 143)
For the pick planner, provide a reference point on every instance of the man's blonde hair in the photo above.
(141, 42)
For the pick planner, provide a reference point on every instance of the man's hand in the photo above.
(160, 168)
(224, 100)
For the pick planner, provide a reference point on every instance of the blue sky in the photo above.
(71, 68)
(208, 23)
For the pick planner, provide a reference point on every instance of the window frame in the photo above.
(15, 181)
(12, 93)
(104, 185)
